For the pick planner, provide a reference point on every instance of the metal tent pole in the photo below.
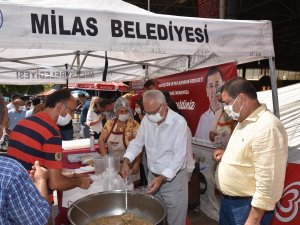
(273, 75)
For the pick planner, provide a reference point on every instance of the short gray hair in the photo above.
(156, 95)
(121, 102)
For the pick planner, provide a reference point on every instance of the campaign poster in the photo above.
(195, 95)
(287, 210)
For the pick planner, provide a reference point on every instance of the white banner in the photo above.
(32, 27)
(38, 38)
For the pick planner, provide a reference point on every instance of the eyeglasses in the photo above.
(156, 111)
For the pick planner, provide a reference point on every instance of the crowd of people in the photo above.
(148, 133)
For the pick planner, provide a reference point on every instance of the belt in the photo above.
(236, 197)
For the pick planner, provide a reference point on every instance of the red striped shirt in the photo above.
(36, 138)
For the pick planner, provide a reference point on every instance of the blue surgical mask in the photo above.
(231, 113)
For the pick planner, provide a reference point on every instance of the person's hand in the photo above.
(218, 154)
(135, 168)
(85, 180)
(155, 184)
(38, 174)
(125, 168)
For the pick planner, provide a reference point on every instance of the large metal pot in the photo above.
(113, 203)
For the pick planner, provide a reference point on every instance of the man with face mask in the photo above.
(163, 132)
(38, 138)
(17, 113)
(251, 171)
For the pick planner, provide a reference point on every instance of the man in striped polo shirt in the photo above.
(37, 138)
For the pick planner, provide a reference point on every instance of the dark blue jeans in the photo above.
(236, 211)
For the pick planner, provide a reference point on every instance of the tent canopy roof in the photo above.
(47, 41)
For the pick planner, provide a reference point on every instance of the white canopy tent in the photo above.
(51, 41)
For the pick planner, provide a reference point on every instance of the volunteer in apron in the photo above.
(118, 132)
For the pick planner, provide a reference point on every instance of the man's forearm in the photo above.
(43, 189)
(255, 216)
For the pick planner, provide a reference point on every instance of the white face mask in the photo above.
(232, 114)
(138, 110)
(155, 118)
(123, 117)
(64, 120)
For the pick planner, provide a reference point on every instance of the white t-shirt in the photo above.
(91, 116)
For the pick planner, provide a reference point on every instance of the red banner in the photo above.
(194, 94)
(287, 209)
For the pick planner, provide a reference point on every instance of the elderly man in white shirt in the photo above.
(164, 135)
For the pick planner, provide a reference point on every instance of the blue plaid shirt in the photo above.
(20, 201)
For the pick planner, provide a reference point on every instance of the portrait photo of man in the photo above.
(213, 80)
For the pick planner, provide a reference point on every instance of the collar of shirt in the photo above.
(48, 119)
(169, 117)
(257, 113)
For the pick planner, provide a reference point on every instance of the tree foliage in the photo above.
(7, 90)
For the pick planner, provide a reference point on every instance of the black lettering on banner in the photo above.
(138, 32)
(90, 22)
(62, 30)
(179, 32)
(128, 28)
(116, 28)
(53, 22)
(27, 75)
(162, 32)
(189, 34)
(171, 31)
(205, 33)
(199, 35)
(150, 31)
(77, 26)
(39, 25)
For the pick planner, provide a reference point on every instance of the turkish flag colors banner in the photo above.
(287, 210)
(194, 93)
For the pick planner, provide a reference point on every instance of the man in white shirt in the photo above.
(17, 113)
(214, 79)
(164, 135)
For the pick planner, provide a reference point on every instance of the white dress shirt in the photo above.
(166, 144)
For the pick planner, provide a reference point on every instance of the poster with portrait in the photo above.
(195, 95)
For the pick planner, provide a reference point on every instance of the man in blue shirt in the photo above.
(17, 113)
(22, 199)
(84, 110)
